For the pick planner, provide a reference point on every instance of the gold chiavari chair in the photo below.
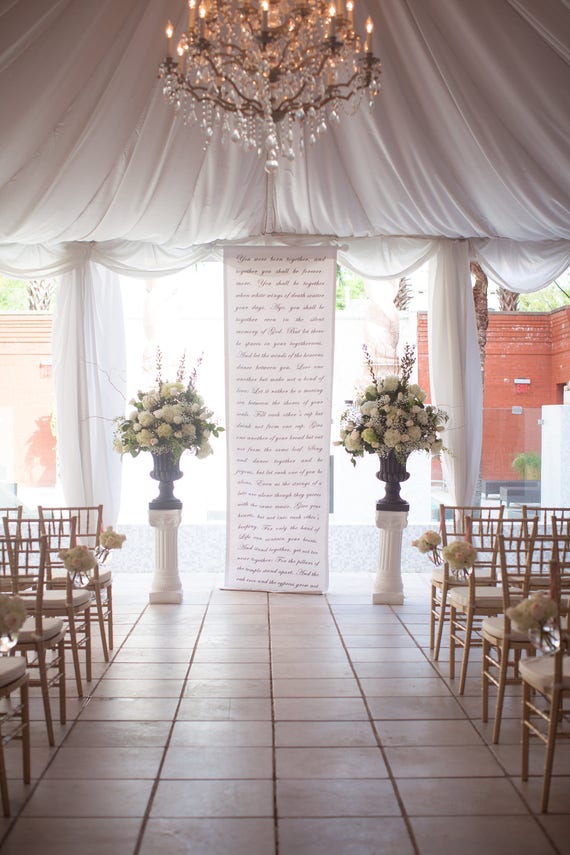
(485, 524)
(89, 527)
(503, 645)
(471, 603)
(41, 638)
(14, 719)
(546, 689)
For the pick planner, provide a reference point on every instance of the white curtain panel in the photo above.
(89, 374)
(455, 375)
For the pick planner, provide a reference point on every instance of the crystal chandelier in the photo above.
(264, 71)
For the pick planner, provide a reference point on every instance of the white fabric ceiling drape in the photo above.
(465, 155)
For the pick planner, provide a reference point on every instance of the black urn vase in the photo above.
(166, 471)
(392, 472)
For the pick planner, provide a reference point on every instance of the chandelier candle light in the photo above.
(264, 70)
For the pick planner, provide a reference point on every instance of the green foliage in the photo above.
(349, 286)
(13, 295)
(547, 299)
(527, 464)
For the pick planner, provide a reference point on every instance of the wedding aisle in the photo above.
(242, 723)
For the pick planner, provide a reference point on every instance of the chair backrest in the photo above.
(60, 533)
(545, 515)
(89, 521)
(478, 525)
(27, 557)
(12, 512)
(516, 551)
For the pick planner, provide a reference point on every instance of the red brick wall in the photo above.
(532, 346)
(26, 393)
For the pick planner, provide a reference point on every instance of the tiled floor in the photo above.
(241, 723)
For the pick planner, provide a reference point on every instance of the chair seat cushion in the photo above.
(489, 596)
(11, 668)
(538, 672)
(51, 627)
(493, 629)
(57, 600)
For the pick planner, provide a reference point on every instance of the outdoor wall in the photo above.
(26, 392)
(525, 346)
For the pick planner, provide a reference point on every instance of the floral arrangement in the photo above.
(428, 544)
(533, 613)
(13, 613)
(536, 615)
(460, 555)
(172, 417)
(110, 539)
(78, 560)
(390, 415)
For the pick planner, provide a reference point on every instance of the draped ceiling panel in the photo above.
(468, 138)
(465, 155)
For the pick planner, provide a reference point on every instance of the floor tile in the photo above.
(350, 797)
(329, 763)
(213, 798)
(238, 733)
(218, 762)
(45, 836)
(209, 837)
(494, 835)
(344, 836)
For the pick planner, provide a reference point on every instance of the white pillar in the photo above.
(388, 587)
(166, 585)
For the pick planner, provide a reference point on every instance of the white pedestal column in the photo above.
(166, 584)
(388, 587)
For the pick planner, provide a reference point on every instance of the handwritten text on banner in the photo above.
(279, 305)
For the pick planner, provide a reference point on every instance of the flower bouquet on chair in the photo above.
(78, 561)
(537, 616)
(428, 544)
(460, 556)
(13, 613)
(108, 540)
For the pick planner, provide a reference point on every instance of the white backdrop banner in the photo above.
(279, 316)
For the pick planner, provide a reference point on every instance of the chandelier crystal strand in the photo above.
(256, 69)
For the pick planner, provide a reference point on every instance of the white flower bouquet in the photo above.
(390, 415)
(78, 561)
(428, 544)
(460, 555)
(172, 417)
(13, 613)
(111, 539)
(533, 613)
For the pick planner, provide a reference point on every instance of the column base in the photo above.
(166, 585)
(388, 587)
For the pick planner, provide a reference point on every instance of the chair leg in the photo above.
(550, 745)
(42, 668)
(442, 610)
(75, 652)
(452, 619)
(88, 652)
(110, 614)
(525, 735)
(503, 654)
(4, 782)
(26, 752)
(485, 681)
(62, 687)
(101, 620)
(466, 651)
